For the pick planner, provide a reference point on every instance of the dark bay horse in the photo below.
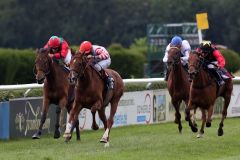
(56, 90)
(178, 84)
(204, 91)
(91, 93)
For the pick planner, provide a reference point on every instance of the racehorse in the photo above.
(178, 84)
(91, 93)
(204, 91)
(55, 90)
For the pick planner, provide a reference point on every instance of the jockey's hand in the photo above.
(90, 57)
(51, 55)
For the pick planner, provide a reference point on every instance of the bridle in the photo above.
(79, 69)
(197, 66)
(46, 70)
(176, 59)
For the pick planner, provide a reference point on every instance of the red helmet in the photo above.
(85, 47)
(54, 42)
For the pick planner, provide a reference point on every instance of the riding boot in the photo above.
(220, 81)
(109, 81)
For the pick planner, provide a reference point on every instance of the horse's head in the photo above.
(174, 55)
(195, 62)
(78, 66)
(42, 65)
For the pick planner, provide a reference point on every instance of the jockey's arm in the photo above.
(165, 58)
(185, 55)
(101, 53)
(219, 57)
(63, 52)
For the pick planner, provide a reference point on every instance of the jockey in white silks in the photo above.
(185, 48)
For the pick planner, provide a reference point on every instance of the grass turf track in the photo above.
(138, 142)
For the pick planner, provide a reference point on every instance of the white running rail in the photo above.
(126, 81)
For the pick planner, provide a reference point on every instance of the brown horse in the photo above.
(178, 84)
(204, 91)
(55, 90)
(91, 93)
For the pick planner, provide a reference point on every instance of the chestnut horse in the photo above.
(55, 90)
(91, 93)
(178, 84)
(204, 91)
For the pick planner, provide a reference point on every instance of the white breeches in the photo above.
(103, 64)
(68, 57)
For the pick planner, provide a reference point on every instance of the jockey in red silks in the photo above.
(59, 49)
(100, 60)
(215, 60)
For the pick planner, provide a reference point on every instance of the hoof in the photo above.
(56, 135)
(208, 124)
(36, 136)
(194, 129)
(67, 136)
(67, 139)
(220, 132)
(95, 127)
(180, 129)
(104, 140)
(200, 135)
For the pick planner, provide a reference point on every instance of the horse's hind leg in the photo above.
(224, 114)
(43, 119)
(177, 120)
(94, 124)
(201, 132)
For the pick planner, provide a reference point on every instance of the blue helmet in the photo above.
(176, 40)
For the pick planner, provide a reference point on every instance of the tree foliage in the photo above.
(27, 23)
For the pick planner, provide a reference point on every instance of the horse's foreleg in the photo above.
(201, 132)
(224, 114)
(103, 118)
(73, 117)
(94, 124)
(77, 122)
(43, 119)
(177, 120)
(209, 117)
(188, 116)
(105, 137)
(57, 125)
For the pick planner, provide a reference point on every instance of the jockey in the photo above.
(59, 49)
(101, 60)
(185, 48)
(214, 58)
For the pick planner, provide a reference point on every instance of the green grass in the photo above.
(141, 142)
